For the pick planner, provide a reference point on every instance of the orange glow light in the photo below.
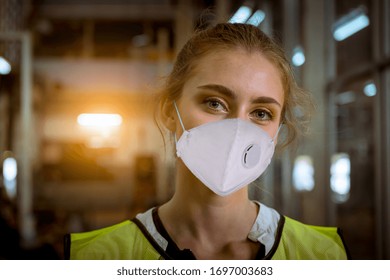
(99, 120)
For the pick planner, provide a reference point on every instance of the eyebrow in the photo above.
(220, 89)
(229, 93)
(266, 100)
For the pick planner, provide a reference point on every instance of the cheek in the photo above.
(193, 114)
(193, 118)
(189, 119)
(272, 130)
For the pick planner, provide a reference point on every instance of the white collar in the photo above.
(265, 227)
(263, 230)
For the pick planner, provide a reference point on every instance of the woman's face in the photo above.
(232, 84)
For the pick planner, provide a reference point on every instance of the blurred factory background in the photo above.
(79, 148)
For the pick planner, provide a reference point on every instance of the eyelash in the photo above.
(269, 115)
(208, 102)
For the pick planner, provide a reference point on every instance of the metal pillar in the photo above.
(222, 10)
(314, 203)
(267, 25)
(291, 29)
(163, 64)
(385, 149)
(183, 23)
(383, 143)
(329, 101)
(25, 198)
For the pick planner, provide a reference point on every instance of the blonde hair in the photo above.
(228, 36)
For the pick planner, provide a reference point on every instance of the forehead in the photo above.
(242, 71)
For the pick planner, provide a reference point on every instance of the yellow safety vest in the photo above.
(126, 241)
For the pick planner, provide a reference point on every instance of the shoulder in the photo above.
(302, 241)
(120, 241)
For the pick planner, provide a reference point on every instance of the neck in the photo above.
(196, 213)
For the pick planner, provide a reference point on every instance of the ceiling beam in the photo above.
(153, 12)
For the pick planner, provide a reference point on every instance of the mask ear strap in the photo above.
(277, 132)
(178, 115)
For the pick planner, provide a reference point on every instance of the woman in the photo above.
(230, 92)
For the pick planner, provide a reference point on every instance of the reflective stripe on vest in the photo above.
(126, 241)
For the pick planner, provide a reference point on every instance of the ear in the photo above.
(168, 115)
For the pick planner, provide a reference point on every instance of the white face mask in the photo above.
(225, 155)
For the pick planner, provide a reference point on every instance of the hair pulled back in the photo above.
(229, 36)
